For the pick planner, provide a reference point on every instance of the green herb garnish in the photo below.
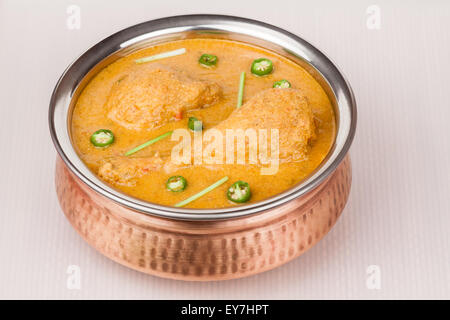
(202, 193)
(146, 144)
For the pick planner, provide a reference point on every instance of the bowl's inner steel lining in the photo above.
(120, 44)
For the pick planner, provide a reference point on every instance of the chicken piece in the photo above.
(150, 97)
(125, 171)
(284, 109)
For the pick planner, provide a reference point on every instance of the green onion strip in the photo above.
(202, 193)
(161, 56)
(241, 90)
(152, 141)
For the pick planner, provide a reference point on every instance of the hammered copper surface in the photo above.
(203, 250)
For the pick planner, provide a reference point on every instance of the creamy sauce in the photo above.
(90, 114)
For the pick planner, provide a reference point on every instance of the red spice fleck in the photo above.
(179, 115)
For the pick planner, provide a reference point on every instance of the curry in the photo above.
(126, 121)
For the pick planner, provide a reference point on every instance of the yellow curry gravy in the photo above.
(90, 114)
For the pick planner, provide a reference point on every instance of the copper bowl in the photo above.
(202, 244)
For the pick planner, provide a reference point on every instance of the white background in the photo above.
(398, 215)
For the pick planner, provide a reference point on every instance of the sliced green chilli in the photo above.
(176, 184)
(282, 84)
(262, 67)
(194, 124)
(102, 138)
(239, 192)
(208, 60)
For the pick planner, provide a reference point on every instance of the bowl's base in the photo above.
(203, 250)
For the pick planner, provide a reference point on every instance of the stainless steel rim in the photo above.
(178, 27)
